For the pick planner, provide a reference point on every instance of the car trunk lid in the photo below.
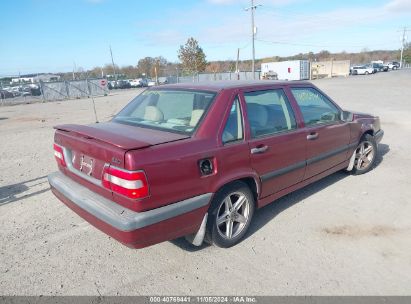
(87, 149)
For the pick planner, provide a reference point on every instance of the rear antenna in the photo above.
(94, 108)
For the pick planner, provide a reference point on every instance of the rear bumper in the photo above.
(134, 229)
(378, 135)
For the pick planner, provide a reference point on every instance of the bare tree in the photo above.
(145, 66)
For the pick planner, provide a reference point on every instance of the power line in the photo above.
(245, 45)
(314, 45)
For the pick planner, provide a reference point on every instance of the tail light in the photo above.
(132, 184)
(59, 155)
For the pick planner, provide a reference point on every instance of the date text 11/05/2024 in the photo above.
(203, 299)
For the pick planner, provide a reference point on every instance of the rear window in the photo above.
(171, 110)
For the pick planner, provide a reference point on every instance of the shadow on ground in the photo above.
(15, 192)
(382, 150)
(186, 246)
(267, 213)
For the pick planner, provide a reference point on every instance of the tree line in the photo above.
(192, 60)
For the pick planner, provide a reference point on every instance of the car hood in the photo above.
(361, 115)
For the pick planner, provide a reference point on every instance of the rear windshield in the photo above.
(172, 110)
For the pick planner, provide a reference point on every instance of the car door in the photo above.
(327, 135)
(277, 145)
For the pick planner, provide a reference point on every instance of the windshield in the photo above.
(171, 110)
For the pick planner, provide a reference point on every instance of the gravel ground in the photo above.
(344, 235)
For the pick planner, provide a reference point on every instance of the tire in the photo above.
(366, 73)
(225, 200)
(365, 160)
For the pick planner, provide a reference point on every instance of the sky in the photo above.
(53, 35)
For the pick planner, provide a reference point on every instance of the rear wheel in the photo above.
(365, 155)
(230, 216)
(366, 73)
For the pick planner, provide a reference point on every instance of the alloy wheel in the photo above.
(233, 215)
(364, 155)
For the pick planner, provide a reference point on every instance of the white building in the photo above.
(288, 70)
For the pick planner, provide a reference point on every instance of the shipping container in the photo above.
(287, 70)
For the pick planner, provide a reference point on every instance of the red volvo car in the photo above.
(196, 160)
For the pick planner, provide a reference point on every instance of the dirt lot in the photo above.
(344, 235)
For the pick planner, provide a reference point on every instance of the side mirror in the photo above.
(346, 116)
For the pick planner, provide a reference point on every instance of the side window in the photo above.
(233, 130)
(315, 107)
(269, 112)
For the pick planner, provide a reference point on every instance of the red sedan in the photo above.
(196, 160)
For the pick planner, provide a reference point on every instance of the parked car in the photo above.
(112, 85)
(15, 91)
(143, 82)
(362, 70)
(379, 67)
(162, 80)
(5, 94)
(123, 84)
(393, 65)
(134, 83)
(384, 68)
(165, 167)
(151, 83)
(35, 90)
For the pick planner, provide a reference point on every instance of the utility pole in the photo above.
(252, 8)
(155, 70)
(236, 64)
(114, 67)
(74, 69)
(403, 40)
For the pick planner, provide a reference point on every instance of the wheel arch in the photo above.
(251, 180)
(369, 131)
(252, 184)
(366, 129)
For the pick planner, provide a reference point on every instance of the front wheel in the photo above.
(231, 212)
(365, 155)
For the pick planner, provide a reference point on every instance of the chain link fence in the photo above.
(204, 77)
(73, 89)
(50, 91)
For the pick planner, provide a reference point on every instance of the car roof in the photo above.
(230, 84)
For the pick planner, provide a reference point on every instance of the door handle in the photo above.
(312, 136)
(259, 149)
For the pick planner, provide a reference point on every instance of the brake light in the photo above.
(132, 184)
(59, 155)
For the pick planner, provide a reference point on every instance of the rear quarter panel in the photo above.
(172, 169)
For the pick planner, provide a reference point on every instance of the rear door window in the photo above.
(269, 112)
